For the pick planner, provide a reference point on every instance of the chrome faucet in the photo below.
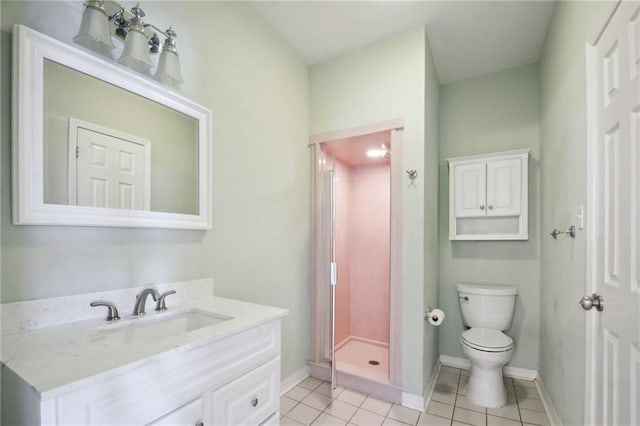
(161, 305)
(141, 300)
(113, 311)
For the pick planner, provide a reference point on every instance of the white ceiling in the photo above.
(467, 38)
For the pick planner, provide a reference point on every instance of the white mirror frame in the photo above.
(30, 49)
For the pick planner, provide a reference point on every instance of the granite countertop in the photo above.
(64, 357)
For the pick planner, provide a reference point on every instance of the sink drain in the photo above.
(374, 362)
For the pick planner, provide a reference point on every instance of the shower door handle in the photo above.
(334, 273)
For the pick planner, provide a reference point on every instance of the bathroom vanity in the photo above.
(205, 361)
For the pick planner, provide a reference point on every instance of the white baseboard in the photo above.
(520, 373)
(455, 362)
(514, 372)
(432, 384)
(410, 400)
(547, 403)
(293, 379)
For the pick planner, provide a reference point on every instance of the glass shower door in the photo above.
(328, 265)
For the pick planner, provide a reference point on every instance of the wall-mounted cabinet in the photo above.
(488, 196)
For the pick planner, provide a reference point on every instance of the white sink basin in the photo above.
(158, 326)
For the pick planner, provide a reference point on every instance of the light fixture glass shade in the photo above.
(94, 29)
(136, 51)
(169, 72)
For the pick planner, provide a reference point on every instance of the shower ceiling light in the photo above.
(377, 153)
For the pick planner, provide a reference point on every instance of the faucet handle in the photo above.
(113, 311)
(161, 305)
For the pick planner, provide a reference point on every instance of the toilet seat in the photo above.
(487, 340)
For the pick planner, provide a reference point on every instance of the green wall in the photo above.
(563, 189)
(258, 249)
(496, 112)
(383, 81)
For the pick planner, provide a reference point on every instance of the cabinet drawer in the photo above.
(191, 414)
(249, 400)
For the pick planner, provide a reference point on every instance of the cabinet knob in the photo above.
(200, 424)
(254, 402)
(490, 207)
(481, 206)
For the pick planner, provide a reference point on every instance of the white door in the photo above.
(613, 336)
(108, 169)
(504, 184)
(470, 189)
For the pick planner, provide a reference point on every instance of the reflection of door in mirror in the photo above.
(108, 168)
(173, 162)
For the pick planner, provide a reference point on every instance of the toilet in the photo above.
(487, 310)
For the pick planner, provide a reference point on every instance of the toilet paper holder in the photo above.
(434, 316)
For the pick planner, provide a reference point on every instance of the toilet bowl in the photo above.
(488, 353)
(487, 311)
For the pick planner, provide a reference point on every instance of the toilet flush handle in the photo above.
(464, 298)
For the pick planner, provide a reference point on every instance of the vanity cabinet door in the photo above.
(191, 414)
(249, 400)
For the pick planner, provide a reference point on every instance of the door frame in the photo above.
(396, 127)
(592, 323)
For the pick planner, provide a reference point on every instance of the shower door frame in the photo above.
(396, 128)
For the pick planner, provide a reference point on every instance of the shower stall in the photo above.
(357, 260)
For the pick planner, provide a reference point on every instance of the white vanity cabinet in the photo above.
(207, 360)
(488, 196)
(231, 381)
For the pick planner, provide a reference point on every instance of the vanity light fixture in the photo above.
(140, 39)
(169, 64)
(136, 52)
(94, 28)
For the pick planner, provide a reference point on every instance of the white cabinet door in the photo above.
(504, 187)
(470, 189)
(191, 414)
(249, 400)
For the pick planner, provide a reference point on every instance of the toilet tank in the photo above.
(487, 306)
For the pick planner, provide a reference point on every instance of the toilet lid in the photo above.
(487, 340)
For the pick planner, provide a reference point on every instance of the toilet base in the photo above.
(486, 388)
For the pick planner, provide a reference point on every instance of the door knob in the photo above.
(588, 302)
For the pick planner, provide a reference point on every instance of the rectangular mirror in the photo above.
(95, 144)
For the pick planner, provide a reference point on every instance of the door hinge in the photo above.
(77, 152)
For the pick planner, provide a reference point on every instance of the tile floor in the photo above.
(312, 402)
